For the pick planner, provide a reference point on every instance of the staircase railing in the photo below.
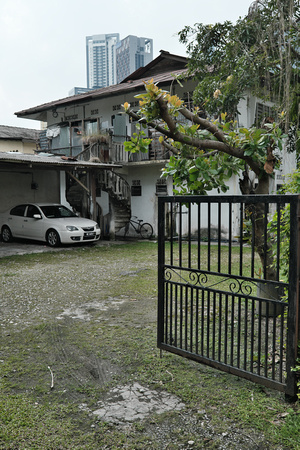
(115, 185)
(119, 193)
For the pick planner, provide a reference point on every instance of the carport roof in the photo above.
(49, 161)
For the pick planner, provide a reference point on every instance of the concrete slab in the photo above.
(129, 403)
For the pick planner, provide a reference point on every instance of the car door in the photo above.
(33, 227)
(15, 220)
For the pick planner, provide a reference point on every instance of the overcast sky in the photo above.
(42, 53)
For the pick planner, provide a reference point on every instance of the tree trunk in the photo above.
(262, 244)
(257, 213)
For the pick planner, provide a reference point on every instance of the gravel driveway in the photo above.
(21, 247)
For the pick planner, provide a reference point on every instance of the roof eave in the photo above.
(32, 161)
(40, 112)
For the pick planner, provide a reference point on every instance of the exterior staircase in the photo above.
(119, 194)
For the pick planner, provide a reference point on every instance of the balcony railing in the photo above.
(118, 154)
(156, 152)
(113, 151)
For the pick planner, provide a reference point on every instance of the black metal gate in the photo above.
(221, 304)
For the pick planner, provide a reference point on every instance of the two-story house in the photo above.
(92, 127)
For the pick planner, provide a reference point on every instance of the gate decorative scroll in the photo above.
(215, 304)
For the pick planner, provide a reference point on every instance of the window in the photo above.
(188, 101)
(32, 210)
(161, 187)
(263, 112)
(91, 127)
(57, 211)
(18, 210)
(136, 188)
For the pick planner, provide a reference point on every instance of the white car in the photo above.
(50, 222)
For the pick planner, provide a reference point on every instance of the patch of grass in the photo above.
(290, 428)
(25, 424)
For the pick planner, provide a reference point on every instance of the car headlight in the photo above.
(97, 227)
(71, 228)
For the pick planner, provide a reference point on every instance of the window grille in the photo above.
(262, 112)
(136, 188)
(161, 186)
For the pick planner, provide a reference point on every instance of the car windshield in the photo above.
(57, 211)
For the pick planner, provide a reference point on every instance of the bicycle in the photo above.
(144, 229)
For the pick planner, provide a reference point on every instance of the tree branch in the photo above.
(154, 125)
(170, 147)
(200, 144)
(204, 124)
(175, 151)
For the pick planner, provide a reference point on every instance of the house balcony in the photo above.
(119, 155)
(156, 151)
(106, 148)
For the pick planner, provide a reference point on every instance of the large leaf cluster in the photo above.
(200, 175)
(291, 185)
(259, 53)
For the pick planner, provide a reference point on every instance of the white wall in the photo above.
(7, 145)
(145, 206)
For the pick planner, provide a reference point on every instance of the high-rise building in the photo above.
(78, 90)
(109, 60)
(132, 53)
(101, 60)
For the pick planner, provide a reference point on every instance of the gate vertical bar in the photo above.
(219, 235)
(180, 234)
(189, 237)
(265, 239)
(253, 240)
(278, 240)
(172, 231)
(241, 236)
(229, 236)
(208, 234)
(160, 271)
(199, 235)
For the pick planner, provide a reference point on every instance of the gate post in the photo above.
(293, 320)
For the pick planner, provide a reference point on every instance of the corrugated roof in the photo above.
(165, 62)
(116, 89)
(18, 133)
(51, 161)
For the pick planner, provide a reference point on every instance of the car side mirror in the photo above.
(37, 216)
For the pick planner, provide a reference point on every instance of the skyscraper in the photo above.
(132, 53)
(101, 60)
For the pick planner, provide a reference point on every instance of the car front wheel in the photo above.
(52, 238)
(6, 234)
